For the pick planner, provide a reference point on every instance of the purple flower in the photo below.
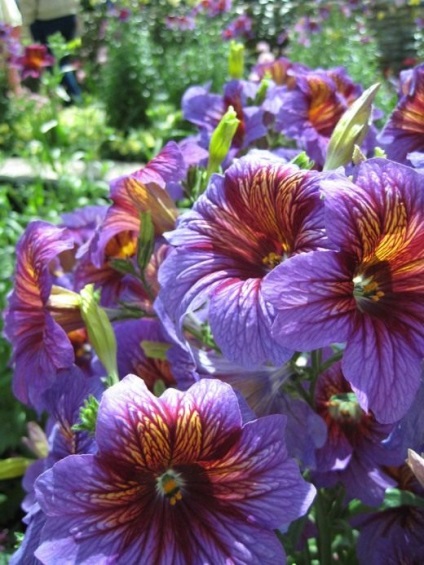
(205, 110)
(143, 349)
(369, 293)
(177, 479)
(282, 71)
(404, 131)
(182, 23)
(240, 27)
(354, 452)
(310, 110)
(63, 403)
(262, 388)
(141, 191)
(394, 535)
(34, 324)
(248, 221)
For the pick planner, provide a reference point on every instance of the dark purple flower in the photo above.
(248, 221)
(369, 293)
(177, 479)
(354, 452)
(143, 348)
(63, 403)
(404, 131)
(141, 191)
(395, 535)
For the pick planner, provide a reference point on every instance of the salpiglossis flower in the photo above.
(177, 479)
(404, 131)
(247, 222)
(39, 314)
(355, 450)
(370, 292)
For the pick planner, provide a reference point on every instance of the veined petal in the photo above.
(259, 472)
(241, 321)
(383, 369)
(313, 297)
(380, 214)
(142, 191)
(137, 413)
(206, 418)
(40, 243)
(404, 131)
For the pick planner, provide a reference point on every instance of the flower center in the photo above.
(273, 259)
(344, 408)
(169, 484)
(366, 287)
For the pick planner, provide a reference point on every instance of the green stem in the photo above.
(324, 529)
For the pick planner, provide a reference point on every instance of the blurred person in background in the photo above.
(11, 16)
(47, 17)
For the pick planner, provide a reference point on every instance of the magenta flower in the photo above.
(248, 221)
(404, 131)
(369, 293)
(34, 60)
(177, 479)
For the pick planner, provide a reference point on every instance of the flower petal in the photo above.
(383, 369)
(313, 296)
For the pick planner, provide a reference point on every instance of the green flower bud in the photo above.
(350, 130)
(236, 60)
(100, 332)
(221, 140)
(14, 467)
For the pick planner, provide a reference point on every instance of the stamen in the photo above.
(366, 287)
(169, 484)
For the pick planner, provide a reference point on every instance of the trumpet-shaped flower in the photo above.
(248, 221)
(369, 293)
(142, 191)
(404, 131)
(205, 110)
(355, 450)
(177, 479)
(37, 314)
(310, 110)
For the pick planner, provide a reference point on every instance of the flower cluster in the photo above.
(210, 337)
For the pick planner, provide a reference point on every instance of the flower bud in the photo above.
(221, 140)
(236, 60)
(350, 130)
(100, 331)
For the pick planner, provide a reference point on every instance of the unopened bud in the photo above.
(350, 130)
(221, 140)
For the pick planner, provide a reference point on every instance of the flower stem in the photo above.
(324, 528)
